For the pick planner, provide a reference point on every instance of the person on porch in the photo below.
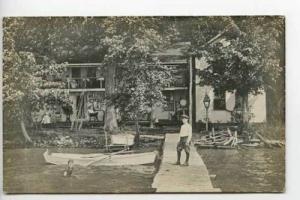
(46, 119)
(91, 110)
(184, 142)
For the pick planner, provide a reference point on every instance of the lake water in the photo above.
(246, 170)
(243, 170)
(25, 171)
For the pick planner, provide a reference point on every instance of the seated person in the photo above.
(46, 119)
(91, 111)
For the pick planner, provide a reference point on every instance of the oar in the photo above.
(87, 156)
(103, 158)
(101, 154)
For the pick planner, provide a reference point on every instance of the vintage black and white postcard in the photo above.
(162, 104)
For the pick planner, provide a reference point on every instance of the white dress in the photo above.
(46, 119)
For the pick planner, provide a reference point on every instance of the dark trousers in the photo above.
(182, 144)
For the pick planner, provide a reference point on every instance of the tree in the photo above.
(140, 90)
(247, 63)
(63, 39)
(32, 49)
(130, 41)
(27, 85)
(107, 40)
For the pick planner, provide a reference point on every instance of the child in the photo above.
(46, 119)
(69, 169)
(185, 137)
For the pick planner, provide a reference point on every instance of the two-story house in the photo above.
(183, 96)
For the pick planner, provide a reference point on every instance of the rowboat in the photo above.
(100, 159)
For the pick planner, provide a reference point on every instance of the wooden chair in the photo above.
(94, 115)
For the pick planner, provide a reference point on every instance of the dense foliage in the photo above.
(245, 54)
(131, 42)
(246, 63)
(30, 82)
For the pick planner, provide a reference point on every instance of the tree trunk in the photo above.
(245, 112)
(24, 132)
(110, 123)
(245, 109)
(137, 129)
(152, 118)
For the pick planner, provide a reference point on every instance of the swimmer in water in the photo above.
(68, 171)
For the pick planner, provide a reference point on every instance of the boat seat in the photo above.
(117, 147)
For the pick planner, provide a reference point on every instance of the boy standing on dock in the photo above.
(185, 137)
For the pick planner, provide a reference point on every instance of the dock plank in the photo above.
(173, 178)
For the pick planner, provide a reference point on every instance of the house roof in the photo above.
(175, 54)
(177, 49)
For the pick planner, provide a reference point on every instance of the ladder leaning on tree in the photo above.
(78, 121)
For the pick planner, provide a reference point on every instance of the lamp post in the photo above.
(206, 102)
(183, 104)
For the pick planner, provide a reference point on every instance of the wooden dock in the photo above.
(180, 179)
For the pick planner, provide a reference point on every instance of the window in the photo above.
(92, 81)
(76, 72)
(91, 72)
(219, 100)
(170, 102)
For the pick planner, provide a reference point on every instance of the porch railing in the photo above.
(82, 83)
(91, 83)
(177, 83)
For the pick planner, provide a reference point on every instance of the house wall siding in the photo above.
(257, 103)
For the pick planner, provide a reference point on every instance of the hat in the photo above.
(184, 117)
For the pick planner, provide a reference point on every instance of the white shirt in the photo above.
(186, 130)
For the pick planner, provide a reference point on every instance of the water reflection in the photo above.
(246, 170)
(243, 170)
(25, 171)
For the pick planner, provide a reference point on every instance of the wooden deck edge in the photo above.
(205, 190)
(160, 188)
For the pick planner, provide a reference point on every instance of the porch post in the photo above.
(191, 90)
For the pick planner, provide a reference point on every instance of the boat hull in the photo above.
(101, 159)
